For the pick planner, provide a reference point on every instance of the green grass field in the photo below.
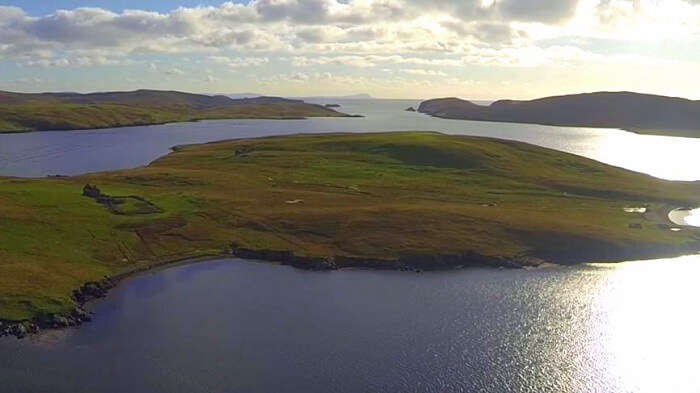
(37, 112)
(381, 196)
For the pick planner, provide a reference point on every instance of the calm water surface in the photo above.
(75, 152)
(237, 326)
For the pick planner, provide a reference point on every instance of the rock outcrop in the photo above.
(75, 317)
(409, 262)
(91, 191)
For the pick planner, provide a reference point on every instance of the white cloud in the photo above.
(423, 72)
(367, 61)
(81, 61)
(298, 77)
(420, 40)
(331, 28)
(238, 62)
(175, 72)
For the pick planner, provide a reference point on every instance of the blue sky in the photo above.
(479, 49)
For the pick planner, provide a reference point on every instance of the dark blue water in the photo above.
(75, 152)
(237, 326)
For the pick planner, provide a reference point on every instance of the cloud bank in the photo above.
(418, 38)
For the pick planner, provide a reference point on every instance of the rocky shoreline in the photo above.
(415, 263)
(89, 291)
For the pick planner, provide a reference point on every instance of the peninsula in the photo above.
(406, 200)
(641, 113)
(20, 112)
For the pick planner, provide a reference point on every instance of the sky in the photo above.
(475, 49)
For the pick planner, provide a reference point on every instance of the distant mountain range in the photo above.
(362, 96)
(315, 98)
(643, 113)
(236, 96)
(66, 111)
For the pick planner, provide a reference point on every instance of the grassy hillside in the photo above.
(643, 113)
(383, 197)
(69, 111)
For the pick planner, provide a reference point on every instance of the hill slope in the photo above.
(66, 111)
(392, 200)
(642, 113)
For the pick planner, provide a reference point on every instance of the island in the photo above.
(640, 113)
(22, 112)
(402, 200)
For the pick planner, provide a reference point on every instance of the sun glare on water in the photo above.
(664, 157)
(693, 218)
(685, 217)
(645, 326)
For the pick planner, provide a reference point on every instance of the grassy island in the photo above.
(409, 199)
(21, 112)
(640, 113)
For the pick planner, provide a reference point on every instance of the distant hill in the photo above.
(21, 112)
(236, 96)
(642, 113)
(155, 98)
(361, 96)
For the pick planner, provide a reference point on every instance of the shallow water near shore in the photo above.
(239, 326)
(40, 154)
(689, 217)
